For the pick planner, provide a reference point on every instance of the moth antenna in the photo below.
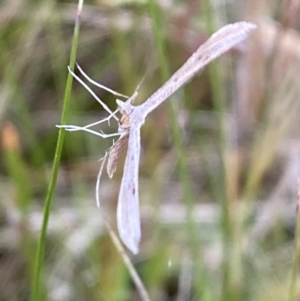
(131, 99)
(72, 128)
(135, 93)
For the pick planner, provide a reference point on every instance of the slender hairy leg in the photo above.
(99, 178)
(72, 128)
(105, 107)
(99, 85)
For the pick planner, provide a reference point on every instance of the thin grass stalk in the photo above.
(35, 292)
(183, 170)
(211, 293)
(296, 255)
(227, 231)
(130, 267)
(13, 160)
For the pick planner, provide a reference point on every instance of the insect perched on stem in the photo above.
(133, 117)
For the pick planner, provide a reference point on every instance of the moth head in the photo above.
(125, 110)
(125, 107)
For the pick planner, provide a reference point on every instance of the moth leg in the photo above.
(99, 178)
(72, 128)
(99, 85)
(105, 107)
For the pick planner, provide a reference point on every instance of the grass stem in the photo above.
(35, 292)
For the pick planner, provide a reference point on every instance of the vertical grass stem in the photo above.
(35, 292)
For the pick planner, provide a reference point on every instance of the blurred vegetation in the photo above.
(219, 165)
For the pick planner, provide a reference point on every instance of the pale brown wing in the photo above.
(128, 213)
(221, 41)
(115, 153)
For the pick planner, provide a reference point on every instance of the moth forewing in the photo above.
(221, 41)
(128, 214)
(115, 153)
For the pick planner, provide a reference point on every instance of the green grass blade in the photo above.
(42, 240)
(231, 284)
(179, 148)
(295, 267)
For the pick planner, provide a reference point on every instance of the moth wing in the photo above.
(128, 214)
(220, 42)
(115, 154)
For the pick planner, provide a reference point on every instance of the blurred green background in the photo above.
(219, 164)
